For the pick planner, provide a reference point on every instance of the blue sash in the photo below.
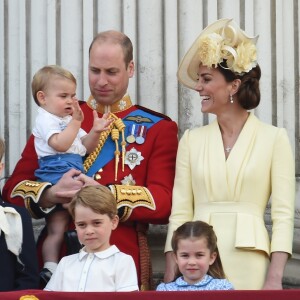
(107, 152)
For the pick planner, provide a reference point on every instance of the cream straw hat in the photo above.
(221, 41)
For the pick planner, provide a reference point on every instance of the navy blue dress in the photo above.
(13, 275)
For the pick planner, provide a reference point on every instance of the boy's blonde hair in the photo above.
(2, 148)
(40, 81)
(98, 198)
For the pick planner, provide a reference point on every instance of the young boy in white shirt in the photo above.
(99, 266)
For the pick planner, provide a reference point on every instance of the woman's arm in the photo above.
(171, 267)
(275, 271)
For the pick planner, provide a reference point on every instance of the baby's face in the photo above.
(59, 96)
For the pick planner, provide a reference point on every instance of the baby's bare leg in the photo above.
(57, 224)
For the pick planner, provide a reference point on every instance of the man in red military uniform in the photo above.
(135, 158)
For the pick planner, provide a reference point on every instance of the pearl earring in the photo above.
(231, 99)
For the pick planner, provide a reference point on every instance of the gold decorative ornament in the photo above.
(121, 105)
(114, 129)
(30, 189)
(129, 197)
(28, 297)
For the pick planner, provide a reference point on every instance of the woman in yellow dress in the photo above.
(227, 171)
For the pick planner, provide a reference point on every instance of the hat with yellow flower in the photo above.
(223, 44)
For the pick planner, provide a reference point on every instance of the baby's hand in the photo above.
(101, 124)
(77, 112)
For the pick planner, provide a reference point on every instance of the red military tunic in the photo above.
(154, 170)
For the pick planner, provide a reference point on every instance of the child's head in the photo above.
(94, 211)
(196, 253)
(2, 150)
(54, 86)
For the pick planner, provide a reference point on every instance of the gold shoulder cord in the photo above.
(115, 127)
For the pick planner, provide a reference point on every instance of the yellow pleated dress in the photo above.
(232, 194)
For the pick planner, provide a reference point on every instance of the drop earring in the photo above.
(231, 99)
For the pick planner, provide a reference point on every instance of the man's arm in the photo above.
(24, 170)
(22, 189)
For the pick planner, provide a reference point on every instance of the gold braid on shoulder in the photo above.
(115, 127)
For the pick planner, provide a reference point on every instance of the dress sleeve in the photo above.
(283, 194)
(182, 203)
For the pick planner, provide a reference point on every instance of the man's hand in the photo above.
(81, 180)
(86, 180)
(63, 191)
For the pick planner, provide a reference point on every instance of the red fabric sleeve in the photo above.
(24, 170)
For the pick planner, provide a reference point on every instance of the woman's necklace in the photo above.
(230, 139)
(228, 149)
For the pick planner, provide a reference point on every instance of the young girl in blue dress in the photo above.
(197, 257)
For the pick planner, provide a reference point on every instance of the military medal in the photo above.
(141, 135)
(128, 180)
(133, 158)
(131, 138)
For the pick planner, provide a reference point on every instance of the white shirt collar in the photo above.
(102, 254)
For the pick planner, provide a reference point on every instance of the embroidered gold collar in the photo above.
(118, 106)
